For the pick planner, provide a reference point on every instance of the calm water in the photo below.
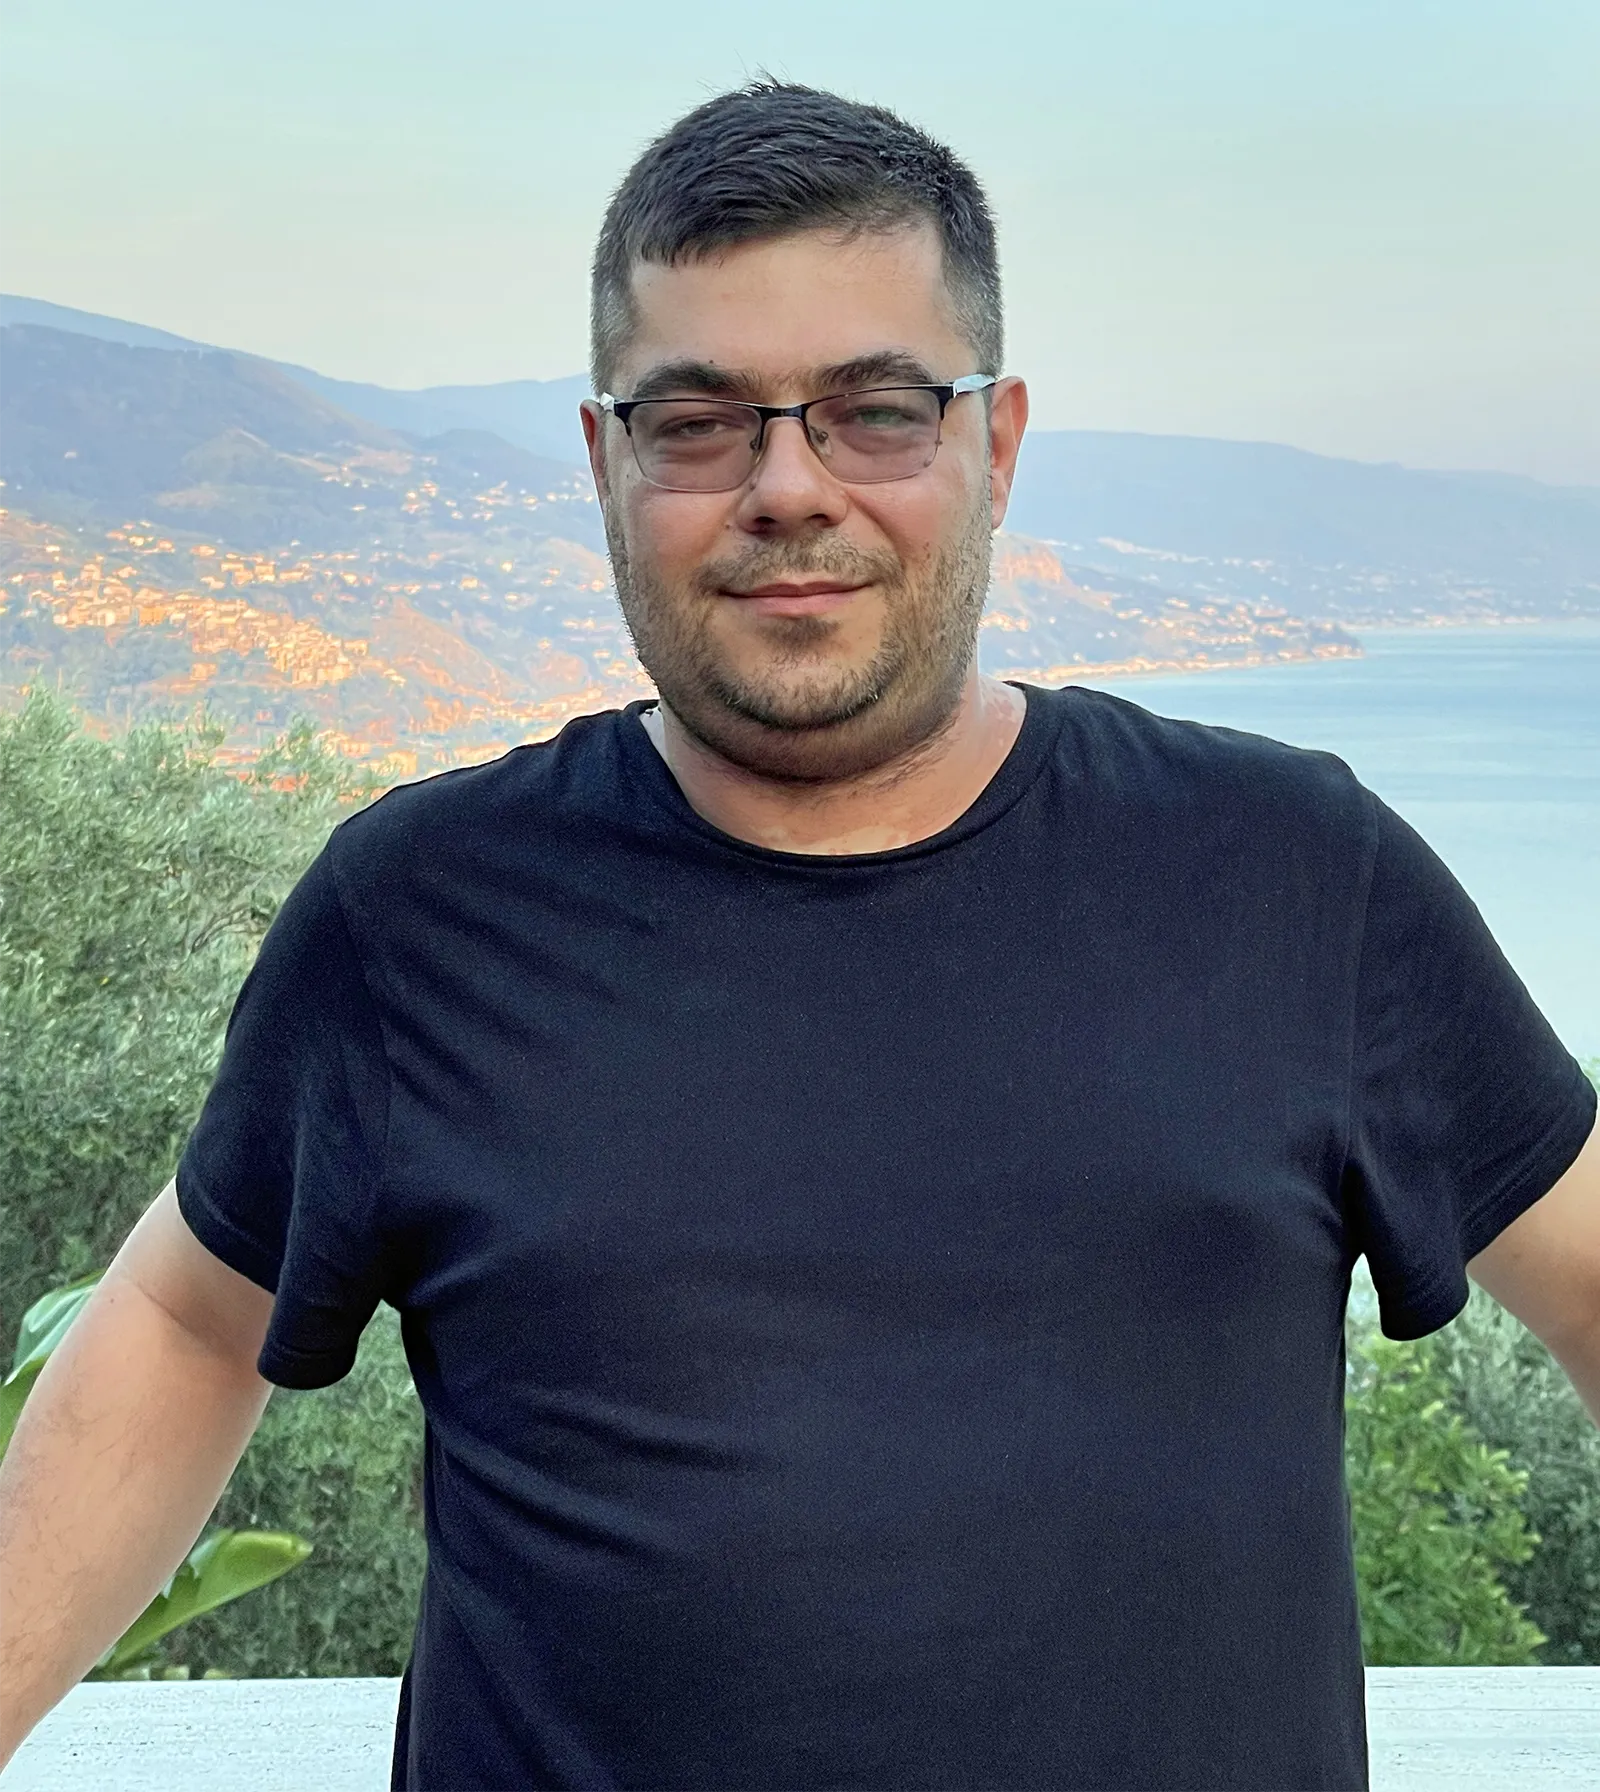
(1488, 742)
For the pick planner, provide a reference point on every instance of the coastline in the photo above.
(1389, 627)
(1077, 671)
(1432, 624)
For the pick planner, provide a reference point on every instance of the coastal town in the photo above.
(421, 656)
(396, 658)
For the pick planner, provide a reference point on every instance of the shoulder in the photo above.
(449, 819)
(1195, 769)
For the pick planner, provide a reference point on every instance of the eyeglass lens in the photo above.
(706, 445)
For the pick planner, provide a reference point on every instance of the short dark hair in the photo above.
(771, 159)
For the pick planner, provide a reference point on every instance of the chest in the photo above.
(827, 1104)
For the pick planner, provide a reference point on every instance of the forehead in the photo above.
(810, 300)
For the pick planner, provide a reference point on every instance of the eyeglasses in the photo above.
(862, 438)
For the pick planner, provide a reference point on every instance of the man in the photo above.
(869, 1159)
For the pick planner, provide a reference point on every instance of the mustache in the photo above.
(772, 562)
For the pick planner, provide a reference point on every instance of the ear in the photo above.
(1008, 418)
(594, 438)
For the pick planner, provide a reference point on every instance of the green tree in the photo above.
(137, 876)
(136, 879)
(1435, 1514)
(1514, 1393)
(1518, 1397)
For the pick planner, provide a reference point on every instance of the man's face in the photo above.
(800, 626)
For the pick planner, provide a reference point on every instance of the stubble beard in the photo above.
(797, 718)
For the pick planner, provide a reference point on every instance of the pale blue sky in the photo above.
(1369, 227)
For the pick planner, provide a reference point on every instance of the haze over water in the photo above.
(1487, 740)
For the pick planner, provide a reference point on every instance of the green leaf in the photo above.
(1435, 1515)
(46, 1321)
(43, 1327)
(222, 1566)
(140, 872)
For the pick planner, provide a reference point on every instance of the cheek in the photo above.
(919, 518)
(675, 531)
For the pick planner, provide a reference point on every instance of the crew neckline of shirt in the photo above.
(1042, 722)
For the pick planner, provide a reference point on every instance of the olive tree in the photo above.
(137, 876)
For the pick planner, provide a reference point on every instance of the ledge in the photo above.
(1431, 1729)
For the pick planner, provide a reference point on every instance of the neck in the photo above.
(909, 798)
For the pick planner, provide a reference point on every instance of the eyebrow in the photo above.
(688, 377)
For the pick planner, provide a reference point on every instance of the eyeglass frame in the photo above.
(623, 408)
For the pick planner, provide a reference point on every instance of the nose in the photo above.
(790, 487)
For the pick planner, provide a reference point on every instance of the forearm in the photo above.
(121, 1453)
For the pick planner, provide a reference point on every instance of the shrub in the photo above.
(1513, 1392)
(1435, 1516)
(1518, 1397)
(138, 877)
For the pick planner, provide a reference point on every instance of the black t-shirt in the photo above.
(878, 1317)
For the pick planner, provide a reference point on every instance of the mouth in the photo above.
(786, 597)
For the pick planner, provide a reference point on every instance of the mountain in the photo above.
(197, 525)
(1051, 622)
(428, 656)
(187, 523)
(235, 446)
(17, 310)
(1324, 537)
(1227, 521)
(417, 661)
(538, 416)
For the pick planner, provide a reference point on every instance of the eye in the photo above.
(690, 426)
(878, 414)
(696, 428)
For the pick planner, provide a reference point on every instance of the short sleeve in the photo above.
(280, 1176)
(1465, 1107)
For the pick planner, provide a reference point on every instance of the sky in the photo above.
(1365, 227)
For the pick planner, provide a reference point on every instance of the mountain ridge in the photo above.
(1255, 522)
(201, 527)
(185, 523)
(17, 308)
(537, 415)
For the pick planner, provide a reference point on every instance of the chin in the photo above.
(807, 732)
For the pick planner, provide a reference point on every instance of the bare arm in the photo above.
(121, 1453)
(1545, 1268)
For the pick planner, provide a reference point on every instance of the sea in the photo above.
(1487, 740)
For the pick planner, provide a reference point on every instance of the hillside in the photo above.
(1228, 521)
(235, 447)
(538, 416)
(460, 654)
(188, 525)
(428, 670)
(1051, 622)
(1331, 538)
